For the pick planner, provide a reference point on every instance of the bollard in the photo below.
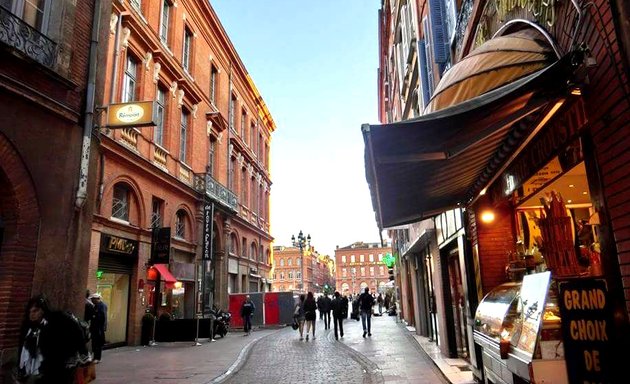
(152, 343)
(197, 343)
(212, 328)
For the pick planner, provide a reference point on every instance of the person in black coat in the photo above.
(247, 310)
(344, 302)
(366, 301)
(98, 326)
(324, 308)
(338, 307)
(310, 315)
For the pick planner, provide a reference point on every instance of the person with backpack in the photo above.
(366, 301)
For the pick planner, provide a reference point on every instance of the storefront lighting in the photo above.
(569, 201)
(576, 91)
(585, 193)
(571, 186)
(178, 284)
(487, 216)
(483, 192)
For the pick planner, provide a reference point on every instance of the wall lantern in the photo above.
(152, 274)
(487, 216)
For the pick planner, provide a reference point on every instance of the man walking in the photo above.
(366, 301)
(98, 326)
(247, 309)
(337, 307)
(319, 307)
(324, 308)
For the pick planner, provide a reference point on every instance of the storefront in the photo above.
(118, 257)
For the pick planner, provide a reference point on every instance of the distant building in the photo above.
(360, 265)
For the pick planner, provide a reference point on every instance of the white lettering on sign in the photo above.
(130, 113)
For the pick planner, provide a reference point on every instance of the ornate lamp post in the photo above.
(301, 242)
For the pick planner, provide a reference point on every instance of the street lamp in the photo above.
(301, 242)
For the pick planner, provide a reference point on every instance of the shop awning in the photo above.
(421, 167)
(165, 274)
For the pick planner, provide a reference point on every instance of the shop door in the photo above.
(458, 303)
(410, 311)
(114, 285)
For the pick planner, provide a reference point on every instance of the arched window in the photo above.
(282, 262)
(290, 262)
(180, 224)
(234, 245)
(120, 202)
(252, 252)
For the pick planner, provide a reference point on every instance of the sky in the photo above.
(315, 64)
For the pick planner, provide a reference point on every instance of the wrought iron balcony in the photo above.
(26, 39)
(465, 12)
(216, 191)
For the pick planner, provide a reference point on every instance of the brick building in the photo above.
(554, 119)
(46, 197)
(197, 183)
(287, 269)
(360, 265)
(324, 274)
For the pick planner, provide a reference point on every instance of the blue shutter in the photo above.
(426, 92)
(438, 31)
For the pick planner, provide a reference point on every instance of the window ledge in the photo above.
(121, 221)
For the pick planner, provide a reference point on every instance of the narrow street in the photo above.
(391, 355)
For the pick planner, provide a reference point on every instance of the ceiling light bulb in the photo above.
(571, 186)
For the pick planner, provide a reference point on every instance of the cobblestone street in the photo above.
(389, 356)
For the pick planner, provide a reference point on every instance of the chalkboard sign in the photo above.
(586, 328)
(161, 245)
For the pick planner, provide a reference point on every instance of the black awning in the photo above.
(421, 167)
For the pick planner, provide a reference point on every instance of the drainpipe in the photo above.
(88, 124)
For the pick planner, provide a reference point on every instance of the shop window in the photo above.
(180, 224)
(120, 202)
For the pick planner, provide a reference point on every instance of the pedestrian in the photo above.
(48, 345)
(98, 326)
(319, 303)
(344, 309)
(325, 309)
(366, 301)
(247, 310)
(386, 302)
(337, 306)
(88, 312)
(298, 314)
(309, 313)
(379, 300)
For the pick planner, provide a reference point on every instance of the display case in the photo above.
(517, 326)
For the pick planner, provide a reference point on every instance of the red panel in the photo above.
(272, 310)
(236, 301)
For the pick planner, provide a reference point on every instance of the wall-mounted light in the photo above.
(178, 284)
(487, 216)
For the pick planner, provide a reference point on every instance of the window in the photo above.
(252, 252)
(231, 169)
(282, 262)
(33, 12)
(137, 4)
(166, 14)
(158, 131)
(187, 49)
(290, 262)
(298, 275)
(343, 258)
(231, 112)
(362, 271)
(281, 275)
(156, 213)
(214, 74)
(211, 157)
(362, 258)
(371, 258)
(352, 259)
(180, 224)
(243, 124)
(380, 257)
(290, 274)
(252, 194)
(344, 272)
(120, 202)
(260, 147)
(252, 137)
(244, 247)
(183, 135)
(371, 271)
(234, 245)
(381, 270)
(244, 185)
(129, 80)
(298, 262)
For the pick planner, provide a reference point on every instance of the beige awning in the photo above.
(484, 108)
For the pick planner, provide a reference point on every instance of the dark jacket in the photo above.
(344, 306)
(324, 305)
(98, 324)
(309, 309)
(248, 308)
(366, 301)
(337, 308)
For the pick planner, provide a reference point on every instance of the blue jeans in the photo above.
(365, 315)
(248, 323)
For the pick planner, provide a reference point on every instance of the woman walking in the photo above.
(309, 313)
(298, 314)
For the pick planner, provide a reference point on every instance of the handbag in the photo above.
(295, 324)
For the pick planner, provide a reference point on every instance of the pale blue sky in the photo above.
(315, 63)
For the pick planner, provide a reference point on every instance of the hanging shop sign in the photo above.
(586, 324)
(208, 212)
(131, 114)
(118, 245)
(161, 245)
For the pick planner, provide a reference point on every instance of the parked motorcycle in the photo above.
(221, 322)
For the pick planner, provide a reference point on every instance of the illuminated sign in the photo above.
(132, 114)
(389, 260)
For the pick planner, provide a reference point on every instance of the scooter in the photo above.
(221, 322)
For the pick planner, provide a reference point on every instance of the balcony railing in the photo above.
(26, 39)
(462, 24)
(216, 191)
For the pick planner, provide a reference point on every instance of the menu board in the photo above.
(586, 326)
(533, 297)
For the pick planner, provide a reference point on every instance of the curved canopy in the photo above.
(496, 63)
(485, 109)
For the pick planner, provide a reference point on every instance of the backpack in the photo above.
(83, 325)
